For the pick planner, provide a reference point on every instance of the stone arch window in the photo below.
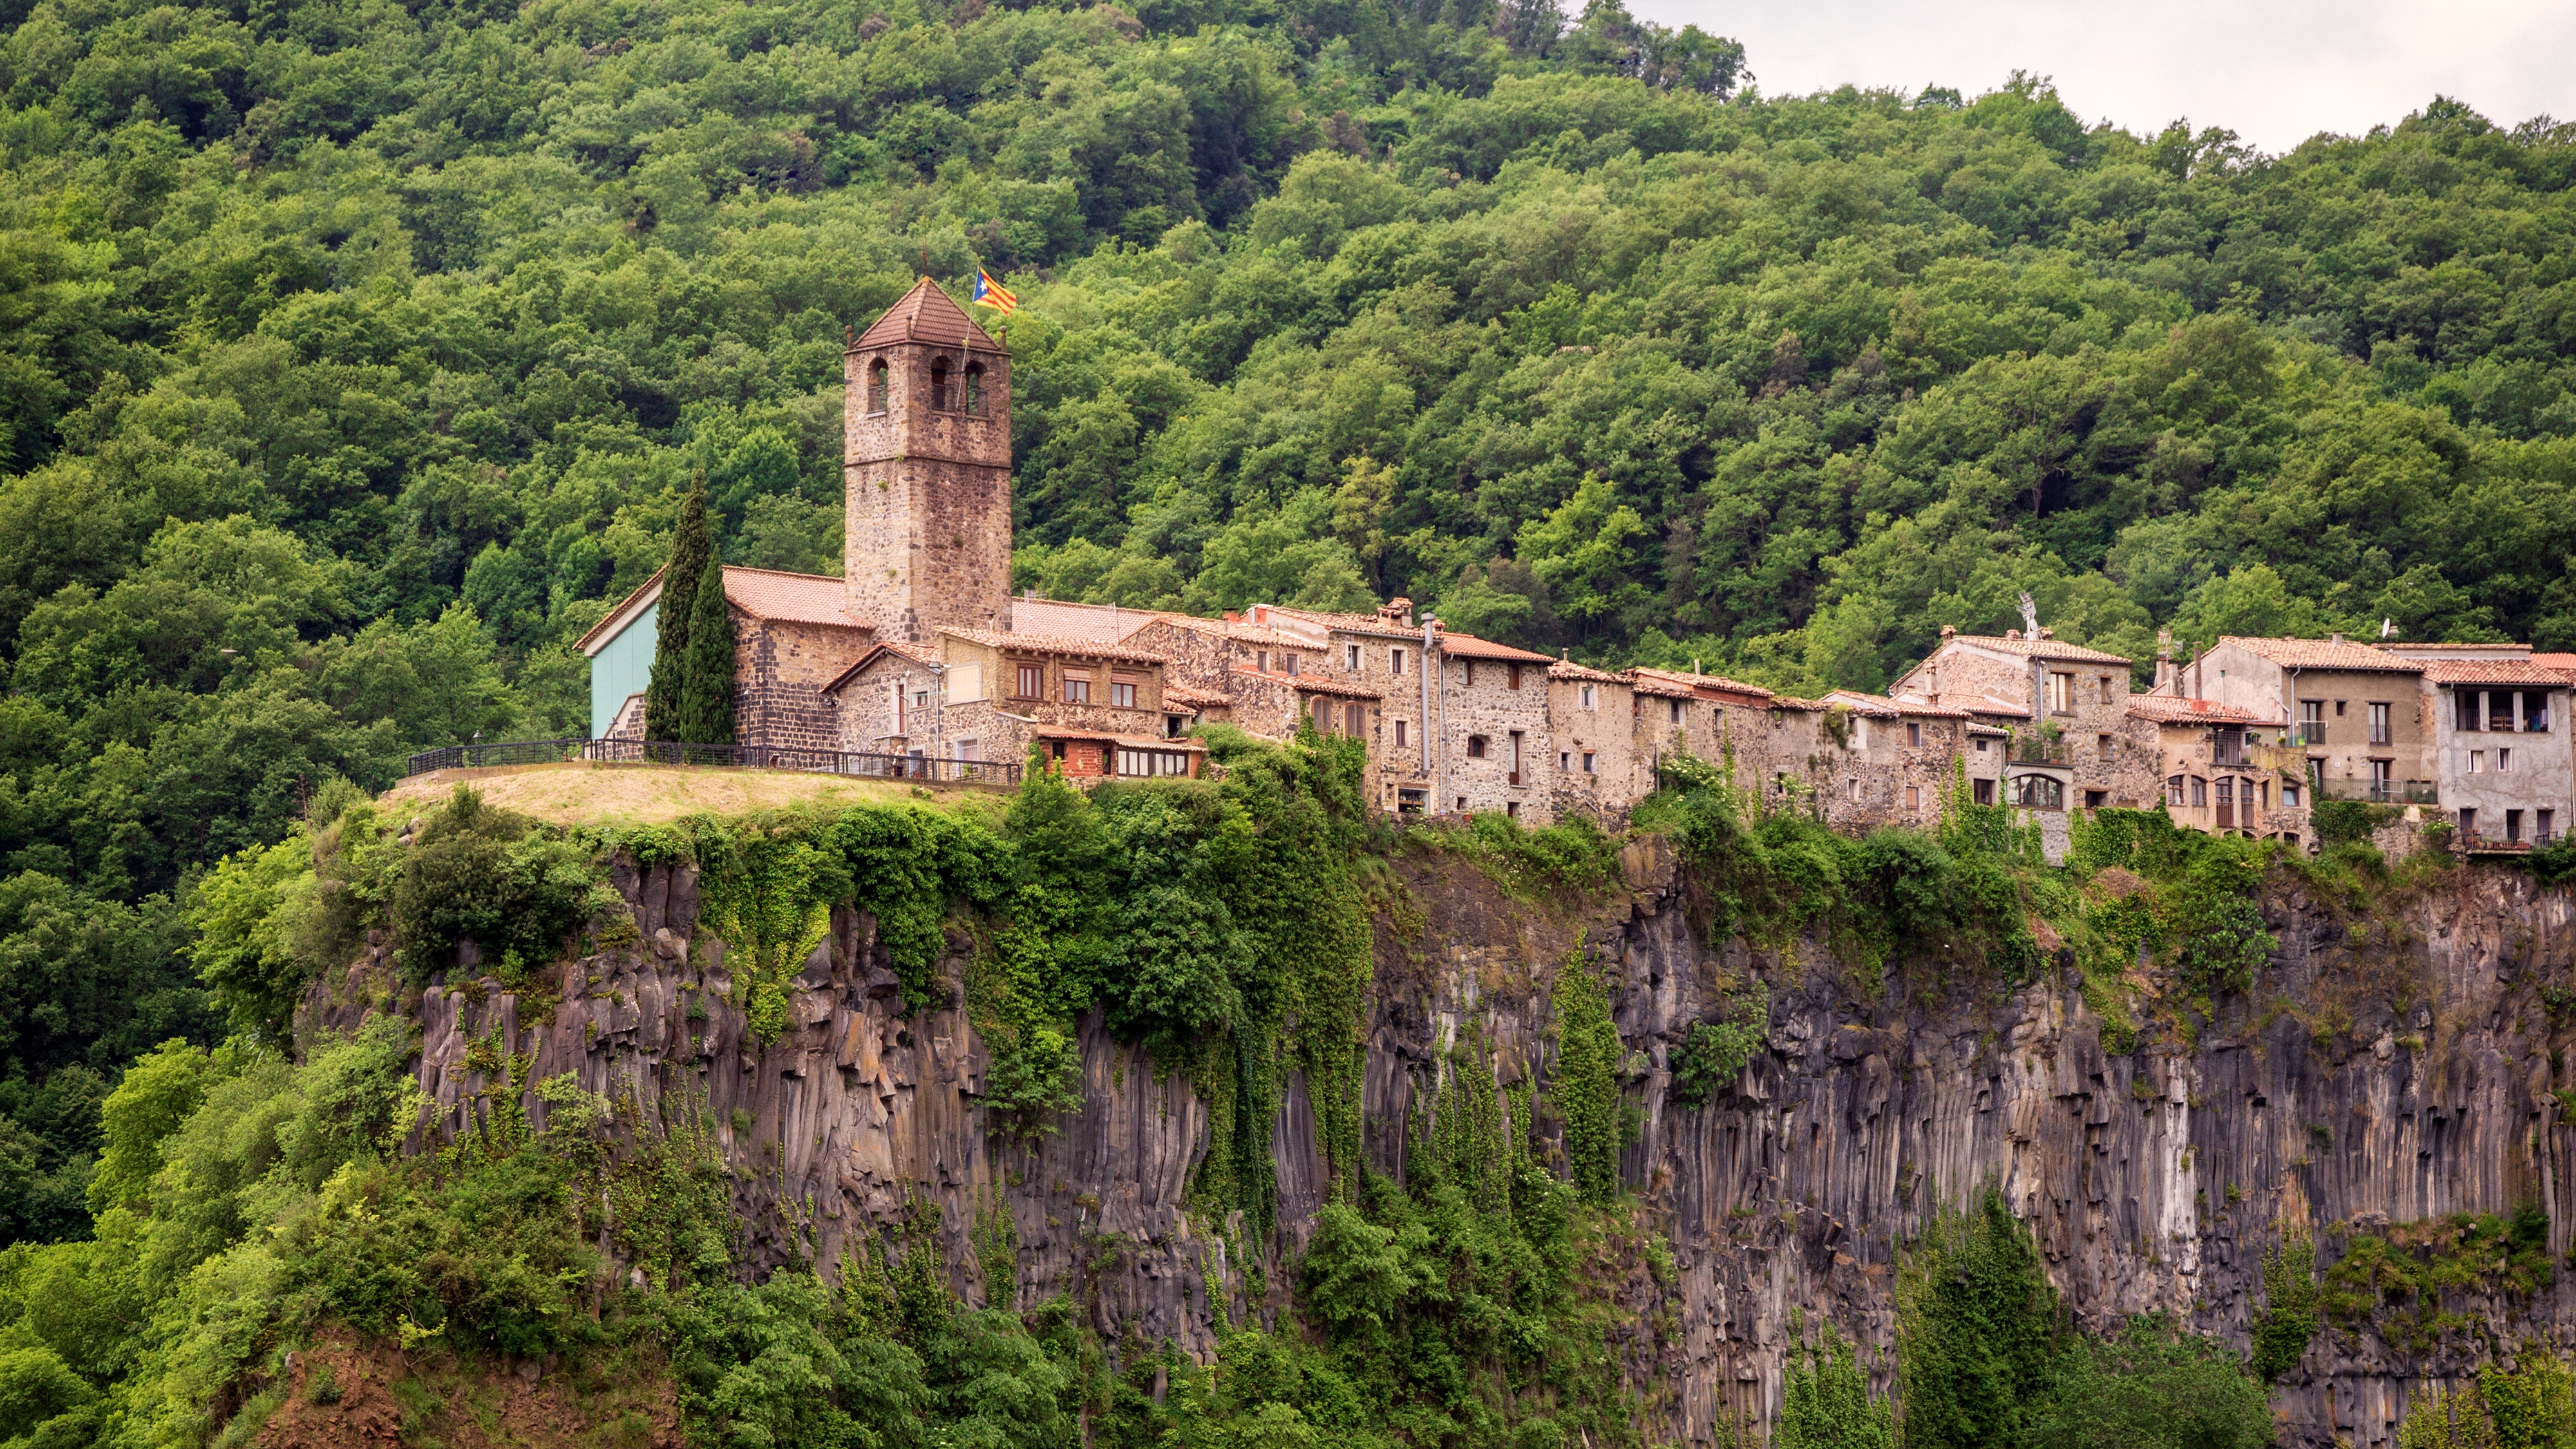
(877, 386)
(975, 388)
(939, 385)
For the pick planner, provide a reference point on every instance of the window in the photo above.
(2504, 761)
(1515, 675)
(1676, 706)
(970, 751)
(1983, 790)
(877, 386)
(1471, 673)
(1586, 696)
(2102, 743)
(2338, 709)
(1587, 762)
(1077, 688)
(2312, 721)
(2379, 724)
(1462, 804)
(975, 387)
(1913, 797)
(2379, 774)
(1032, 682)
(2464, 715)
(1512, 809)
(1854, 792)
(1122, 692)
(1395, 661)
(1351, 657)
(2535, 712)
(921, 699)
(1475, 747)
(2199, 793)
(939, 384)
(2513, 825)
(2093, 798)
(1981, 746)
(2289, 797)
(1353, 720)
(2106, 687)
(1261, 660)
(2548, 819)
(1288, 662)
(1913, 733)
(2061, 694)
(2477, 761)
(1173, 724)
(2173, 790)
(1564, 760)
(2468, 821)
(1399, 733)
(2039, 792)
(1323, 715)
(1153, 762)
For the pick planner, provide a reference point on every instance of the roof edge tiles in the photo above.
(1310, 683)
(2320, 654)
(1053, 644)
(2057, 649)
(927, 314)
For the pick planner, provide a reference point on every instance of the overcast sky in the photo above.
(2274, 71)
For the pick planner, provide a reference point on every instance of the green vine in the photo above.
(1586, 1086)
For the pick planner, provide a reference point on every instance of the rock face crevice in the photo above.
(2388, 1068)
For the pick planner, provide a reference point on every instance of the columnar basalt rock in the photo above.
(2380, 1077)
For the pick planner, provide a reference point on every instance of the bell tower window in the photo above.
(877, 386)
(975, 388)
(939, 385)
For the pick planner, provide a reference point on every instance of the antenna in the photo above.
(2029, 616)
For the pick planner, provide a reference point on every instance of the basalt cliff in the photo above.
(2392, 1066)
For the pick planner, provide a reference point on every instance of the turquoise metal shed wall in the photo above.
(621, 668)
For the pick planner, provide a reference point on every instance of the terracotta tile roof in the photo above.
(2323, 654)
(1900, 705)
(791, 598)
(2494, 671)
(1992, 704)
(1240, 633)
(2040, 649)
(1869, 706)
(1377, 624)
(1188, 698)
(1584, 673)
(1025, 643)
(897, 648)
(1468, 646)
(1670, 682)
(2555, 661)
(1103, 623)
(1309, 683)
(1133, 742)
(2167, 709)
(762, 593)
(1791, 701)
(925, 314)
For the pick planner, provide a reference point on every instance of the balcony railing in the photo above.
(2307, 735)
(746, 757)
(2038, 750)
(2381, 792)
(2479, 842)
(2229, 754)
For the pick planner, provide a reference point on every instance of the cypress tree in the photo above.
(706, 688)
(691, 547)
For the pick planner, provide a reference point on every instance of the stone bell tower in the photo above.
(926, 469)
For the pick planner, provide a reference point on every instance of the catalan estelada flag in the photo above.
(992, 294)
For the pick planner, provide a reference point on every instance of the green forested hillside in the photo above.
(352, 357)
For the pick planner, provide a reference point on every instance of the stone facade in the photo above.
(780, 668)
(927, 468)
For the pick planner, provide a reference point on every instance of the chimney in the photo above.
(2338, 638)
(2048, 633)
(1949, 632)
(1232, 617)
(2164, 659)
(2012, 633)
(1261, 615)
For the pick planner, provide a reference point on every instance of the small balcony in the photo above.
(2381, 792)
(2308, 735)
(2483, 842)
(2039, 750)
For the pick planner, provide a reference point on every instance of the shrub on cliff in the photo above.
(515, 888)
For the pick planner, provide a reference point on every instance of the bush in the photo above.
(516, 889)
(2155, 1387)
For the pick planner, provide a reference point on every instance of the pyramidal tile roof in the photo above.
(926, 314)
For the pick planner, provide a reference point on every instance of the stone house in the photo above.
(1899, 760)
(793, 634)
(2064, 707)
(2214, 777)
(1600, 772)
(2352, 721)
(986, 695)
(2501, 762)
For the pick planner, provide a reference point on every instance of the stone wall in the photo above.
(779, 673)
(2392, 1067)
(927, 494)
